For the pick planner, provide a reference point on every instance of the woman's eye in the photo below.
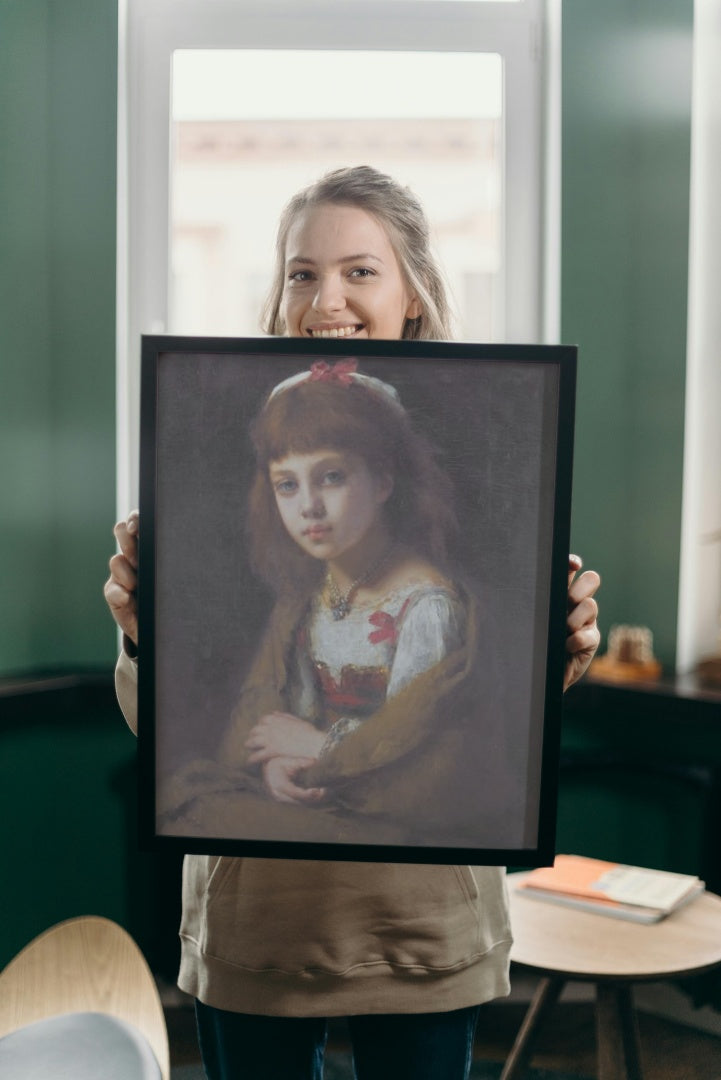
(362, 272)
(300, 276)
(285, 487)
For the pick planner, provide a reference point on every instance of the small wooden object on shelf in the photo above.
(629, 657)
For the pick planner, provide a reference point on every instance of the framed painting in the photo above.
(352, 597)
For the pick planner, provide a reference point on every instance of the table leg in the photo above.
(617, 1033)
(545, 997)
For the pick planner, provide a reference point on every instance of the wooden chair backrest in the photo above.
(87, 964)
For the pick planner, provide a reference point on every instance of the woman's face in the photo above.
(329, 501)
(342, 277)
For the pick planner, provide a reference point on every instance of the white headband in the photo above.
(343, 372)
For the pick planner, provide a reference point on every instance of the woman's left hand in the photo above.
(283, 735)
(583, 635)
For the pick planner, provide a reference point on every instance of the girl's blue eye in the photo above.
(333, 477)
(286, 487)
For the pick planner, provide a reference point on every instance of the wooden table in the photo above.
(563, 944)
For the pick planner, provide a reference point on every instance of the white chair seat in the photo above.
(78, 1046)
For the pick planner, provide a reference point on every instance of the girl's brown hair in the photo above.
(312, 416)
(402, 216)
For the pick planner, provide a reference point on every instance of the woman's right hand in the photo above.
(121, 587)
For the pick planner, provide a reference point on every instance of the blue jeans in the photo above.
(416, 1046)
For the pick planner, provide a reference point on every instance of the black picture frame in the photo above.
(501, 418)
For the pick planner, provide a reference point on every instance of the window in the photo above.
(236, 161)
(227, 107)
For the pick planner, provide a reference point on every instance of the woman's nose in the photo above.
(329, 296)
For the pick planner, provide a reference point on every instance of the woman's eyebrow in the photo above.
(360, 257)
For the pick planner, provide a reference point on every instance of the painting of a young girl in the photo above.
(356, 709)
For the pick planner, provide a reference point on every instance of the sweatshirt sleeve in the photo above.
(126, 688)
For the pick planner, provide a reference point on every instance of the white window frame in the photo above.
(526, 34)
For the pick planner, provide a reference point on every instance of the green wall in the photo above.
(58, 72)
(626, 146)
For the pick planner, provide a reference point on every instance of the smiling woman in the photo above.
(353, 259)
(343, 277)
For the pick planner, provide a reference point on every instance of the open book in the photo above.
(608, 888)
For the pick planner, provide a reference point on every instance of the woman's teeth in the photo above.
(337, 331)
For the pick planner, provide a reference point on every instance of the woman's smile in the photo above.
(335, 331)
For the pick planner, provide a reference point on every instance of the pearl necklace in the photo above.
(340, 603)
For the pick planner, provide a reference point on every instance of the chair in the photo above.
(79, 1002)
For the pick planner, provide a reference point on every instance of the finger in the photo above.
(584, 613)
(260, 751)
(585, 585)
(575, 562)
(257, 734)
(275, 717)
(312, 794)
(586, 640)
(117, 597)
(260, 755)
(301, 794)
(286, 791)
(123, 572)
(123, 608)
(269, 719)
(127, 539)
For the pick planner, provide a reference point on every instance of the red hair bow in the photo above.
(340, 372)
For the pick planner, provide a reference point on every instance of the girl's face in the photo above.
(329, 501)
(342, 277)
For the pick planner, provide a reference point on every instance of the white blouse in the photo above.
(349, 667)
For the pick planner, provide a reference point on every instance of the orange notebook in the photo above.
(632, 892)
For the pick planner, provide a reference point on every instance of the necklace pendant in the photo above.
(340, 608)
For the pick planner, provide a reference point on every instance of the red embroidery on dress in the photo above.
(387, 625)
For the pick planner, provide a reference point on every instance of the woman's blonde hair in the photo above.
(402, 216)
